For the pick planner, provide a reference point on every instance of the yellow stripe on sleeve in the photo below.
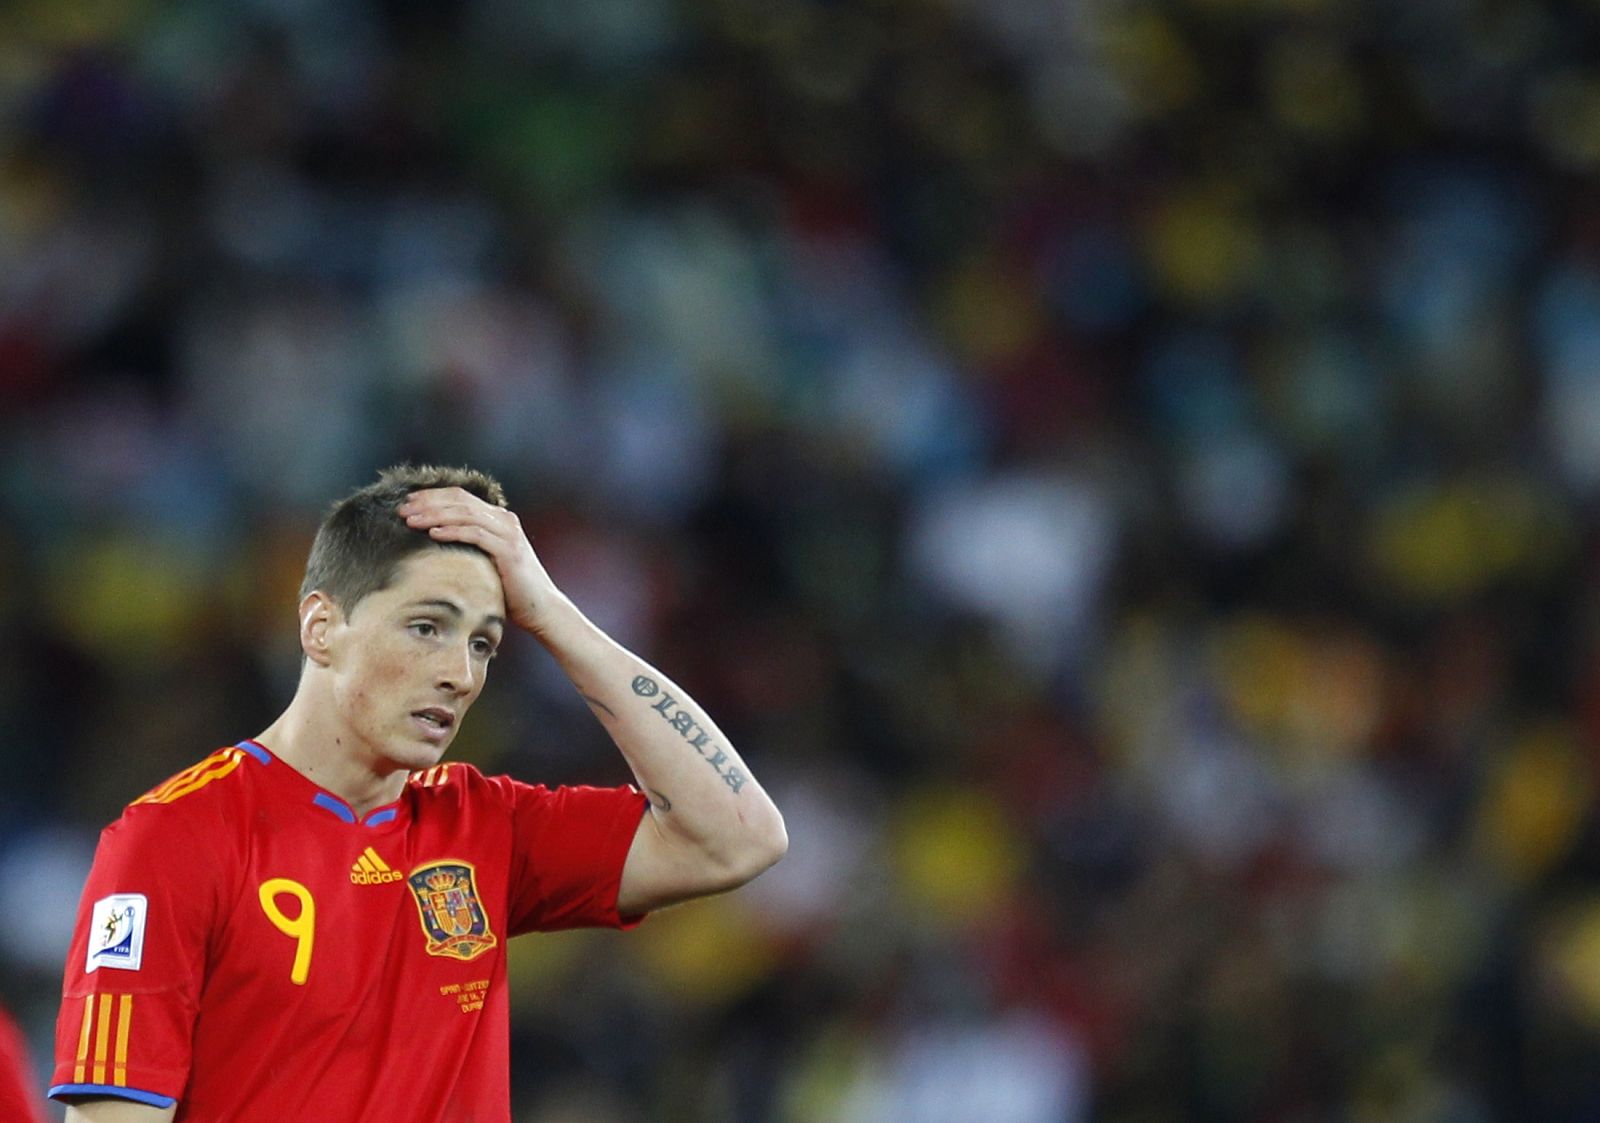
(83, 1039)
(102, 1039)
(199, 780)
(119, 1075)
(195, 777)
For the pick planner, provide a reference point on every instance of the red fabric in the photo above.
(403, 1014)
(19, 1099)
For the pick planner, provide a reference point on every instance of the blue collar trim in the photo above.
(335, 804)
(256, 751)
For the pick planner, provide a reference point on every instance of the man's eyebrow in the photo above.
(448, 606)
(451, 608)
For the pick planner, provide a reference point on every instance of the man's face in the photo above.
(409, 660)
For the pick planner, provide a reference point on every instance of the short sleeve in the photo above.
(569, 847)
(137, 961)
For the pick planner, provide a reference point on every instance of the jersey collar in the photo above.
(320, 797)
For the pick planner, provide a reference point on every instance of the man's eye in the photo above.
(424, 628)
(484, 647)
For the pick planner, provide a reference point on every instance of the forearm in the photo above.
(702, 793)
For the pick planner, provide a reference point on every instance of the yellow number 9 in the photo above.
(301, 928)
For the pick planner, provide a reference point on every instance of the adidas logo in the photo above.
(372, 870)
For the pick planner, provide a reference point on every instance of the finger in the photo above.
(433, 500)
(456, 493)
(489, 538)
(427, 514)
(470, 533)
(453, 500)
(433, 513)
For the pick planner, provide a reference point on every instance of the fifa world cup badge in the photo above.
(452, 916)
(116, 932)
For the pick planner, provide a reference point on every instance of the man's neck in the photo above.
(331, 758)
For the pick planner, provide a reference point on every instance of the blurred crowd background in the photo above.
(1124, 472)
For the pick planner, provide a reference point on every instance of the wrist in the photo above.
(551, 618)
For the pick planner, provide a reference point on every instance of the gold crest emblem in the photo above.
(453, 918)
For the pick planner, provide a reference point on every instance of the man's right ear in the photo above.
(318, 614)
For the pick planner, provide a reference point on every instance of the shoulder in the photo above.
(454, 785)
(182, 839)
(204, 776)
(452, 774)
(466, 786)
(455, 780)
(199, 798)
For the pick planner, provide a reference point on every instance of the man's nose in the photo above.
(457, 672)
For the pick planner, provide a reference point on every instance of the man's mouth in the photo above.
(435, 717)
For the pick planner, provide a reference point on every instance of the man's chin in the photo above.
(414, 755)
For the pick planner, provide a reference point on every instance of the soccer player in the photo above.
(311, 924)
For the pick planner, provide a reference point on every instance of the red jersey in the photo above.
(19, 1096)
(248, 948)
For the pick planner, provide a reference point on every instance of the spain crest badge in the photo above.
(452, 916)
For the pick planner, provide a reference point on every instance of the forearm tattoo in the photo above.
(699, 740)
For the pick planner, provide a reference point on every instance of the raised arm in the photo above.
(711, 826)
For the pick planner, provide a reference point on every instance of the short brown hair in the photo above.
(362, 541)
